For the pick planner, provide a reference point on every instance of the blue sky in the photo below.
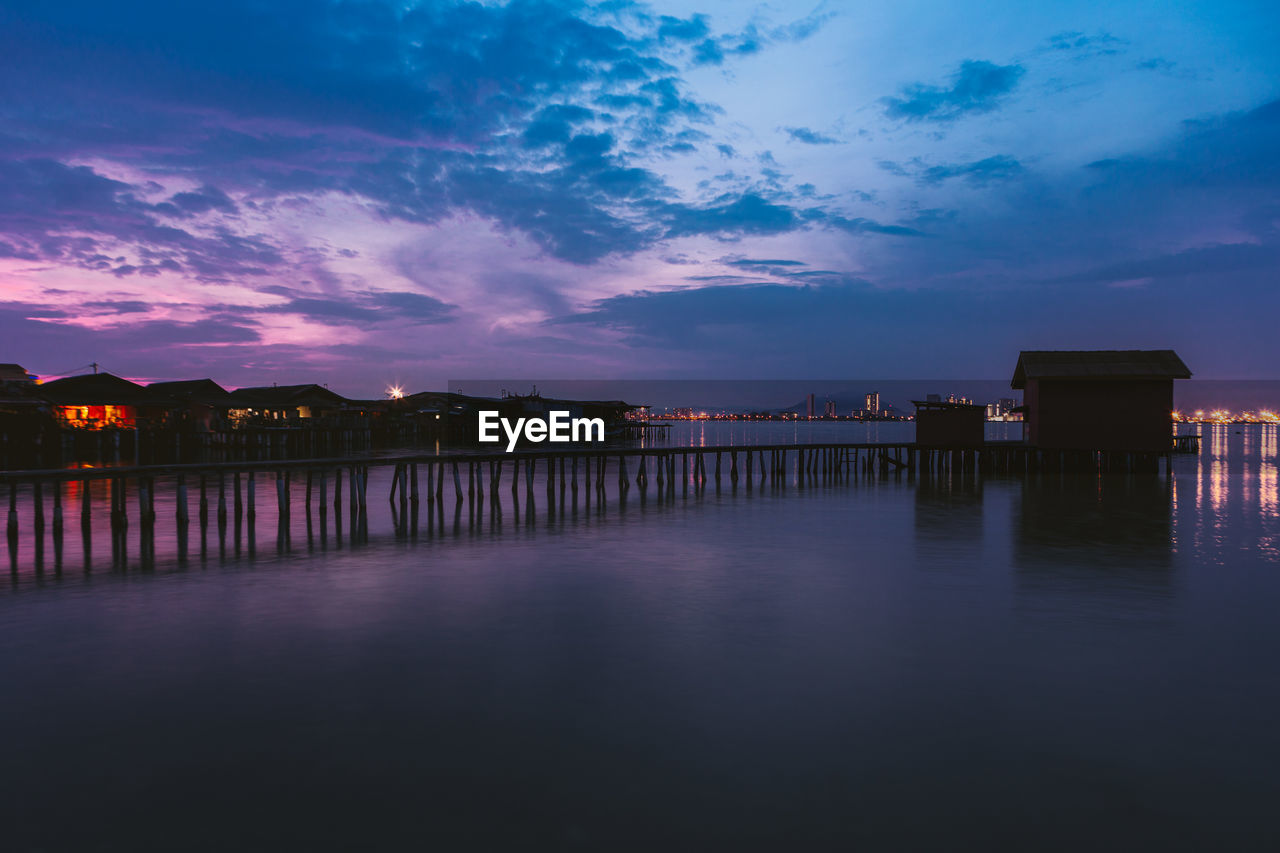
(361, 193)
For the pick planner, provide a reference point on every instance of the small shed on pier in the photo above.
(1111, 400)
(950, 425)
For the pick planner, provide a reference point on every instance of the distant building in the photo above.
(1117, 400)
(809, 405)
(950, 425)
(15, 374)
(830, 410)
(873, 403)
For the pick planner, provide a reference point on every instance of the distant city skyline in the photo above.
(375, 194)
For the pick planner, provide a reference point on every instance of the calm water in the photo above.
(1055, 664)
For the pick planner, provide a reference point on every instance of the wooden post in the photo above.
(251, 494)
(353, 497)
(143, 487)
(182, 500)
(85, 504)
(37, 499)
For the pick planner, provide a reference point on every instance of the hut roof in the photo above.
(199, 390)
(102, 389)
(1098, 364)
(266, 396)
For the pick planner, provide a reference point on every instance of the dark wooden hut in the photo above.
(207, 402)
(1105, 400)
(950, 425)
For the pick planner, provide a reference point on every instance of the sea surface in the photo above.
(889, 663)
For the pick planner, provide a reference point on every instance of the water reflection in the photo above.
(1101, 544)
(1235, 504)
(948, 512)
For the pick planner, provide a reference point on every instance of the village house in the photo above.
(287, 404)
(98, 401)
(207, 402)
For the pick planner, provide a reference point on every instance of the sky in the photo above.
(364, 193)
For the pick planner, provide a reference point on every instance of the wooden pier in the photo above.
(229, 493)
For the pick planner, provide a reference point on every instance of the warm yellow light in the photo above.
(395, 392)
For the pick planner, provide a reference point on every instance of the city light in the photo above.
(1226, 416)
(395, 392)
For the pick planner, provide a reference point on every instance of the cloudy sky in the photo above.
(361, 193)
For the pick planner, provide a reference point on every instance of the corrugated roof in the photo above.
(1098, 364)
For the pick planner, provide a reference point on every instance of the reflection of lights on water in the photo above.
(1218, 440)
(1217, 484)
(1250, 515)
(1267, 497)
(1267, 488)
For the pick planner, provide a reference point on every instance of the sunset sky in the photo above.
(362, 193)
